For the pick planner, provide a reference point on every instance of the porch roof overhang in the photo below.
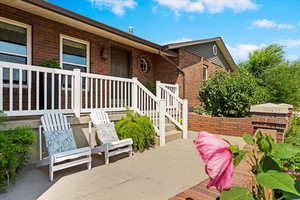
(218, 40)
(55, 13)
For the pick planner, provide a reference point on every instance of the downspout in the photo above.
(178, 69)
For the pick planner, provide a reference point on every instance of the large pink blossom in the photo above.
(217, 158)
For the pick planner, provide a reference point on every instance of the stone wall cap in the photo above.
(271, 108)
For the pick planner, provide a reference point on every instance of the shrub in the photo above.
(151, 87)
(50, 63)
(231, 95)
(15, 149)
(139, 128)
(199, 109)
(293, 138)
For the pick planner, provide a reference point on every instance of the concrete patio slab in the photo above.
(156, 174)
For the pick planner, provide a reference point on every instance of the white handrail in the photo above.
(27, 90)
(176, 110)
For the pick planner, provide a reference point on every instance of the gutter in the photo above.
(178, 69)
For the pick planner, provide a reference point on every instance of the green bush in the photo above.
(231, 95)
(151, 87)
(50, 63)
(293, 137)
(139, 128)
(199, 109)
(15, 149)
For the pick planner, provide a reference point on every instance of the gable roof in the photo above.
(218, 40)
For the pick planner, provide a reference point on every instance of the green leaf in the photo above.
(234, 148)
(267, 163)
(248, 139)
(236, 193)
(277, 180)
(238, 157)
(285, 151)
(289, 196)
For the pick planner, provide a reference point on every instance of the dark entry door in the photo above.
(120, 63)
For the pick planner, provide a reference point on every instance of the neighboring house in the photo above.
(33, 31)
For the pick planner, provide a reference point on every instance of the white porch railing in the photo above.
(176, 108)
(27, 90)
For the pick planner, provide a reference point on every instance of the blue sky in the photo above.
(245, 25)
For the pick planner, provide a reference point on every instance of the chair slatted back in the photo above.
(99, 116)
(54, 121)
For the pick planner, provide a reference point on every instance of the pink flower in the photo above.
(217, 158)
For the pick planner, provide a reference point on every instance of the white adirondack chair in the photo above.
(56, 121)
(110, 149)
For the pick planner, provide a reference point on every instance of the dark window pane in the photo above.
(13, 39)
(14, 59)
(74, 52)
(15, 76)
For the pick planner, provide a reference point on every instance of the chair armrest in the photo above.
(72, 154)
(121, 143)
(90, 133)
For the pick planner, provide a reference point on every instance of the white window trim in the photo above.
(28, 44)
(87, 43)
(206, 72)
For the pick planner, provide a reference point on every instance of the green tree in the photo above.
(231, 95)
(261, 60)
(283, 83)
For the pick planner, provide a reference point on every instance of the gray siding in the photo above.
(206, 51)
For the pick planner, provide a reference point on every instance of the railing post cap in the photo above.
(76, 70)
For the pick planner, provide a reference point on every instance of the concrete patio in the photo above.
(156, 174)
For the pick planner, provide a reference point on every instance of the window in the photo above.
(15, 46)
(215, 50)
(74, 53)
(144, 66)
(205, 73)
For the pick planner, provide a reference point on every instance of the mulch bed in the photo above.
(241, 177)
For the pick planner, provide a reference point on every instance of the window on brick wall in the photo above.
(74, 54)
(205, 73)
(15, 46)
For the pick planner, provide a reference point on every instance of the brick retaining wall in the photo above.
(220, 125)
(273, 123)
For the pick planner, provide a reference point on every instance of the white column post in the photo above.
(1, 88)
(158, 90)
(77, 93)
(134, 94)
(162, 121)
(185, 114)
(177, 90)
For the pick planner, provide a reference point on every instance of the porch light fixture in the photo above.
(104, 53)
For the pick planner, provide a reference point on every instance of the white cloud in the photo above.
(211, 6)
(116, 6)
(289, 43)
(241, 51)
(292, 57)
(264, 23)
(184, 39)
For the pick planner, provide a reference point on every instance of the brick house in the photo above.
(34, 31)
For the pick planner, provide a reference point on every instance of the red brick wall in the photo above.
(271, 123)
(220, 125)
(192, 65)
